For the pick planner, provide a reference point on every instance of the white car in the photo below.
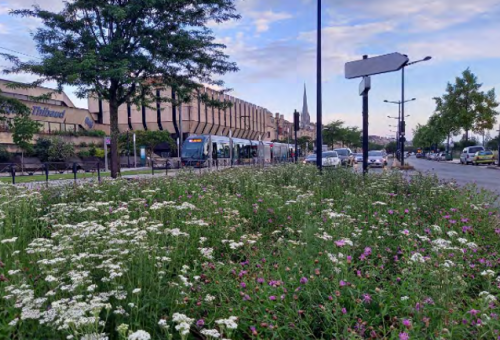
(331, 158)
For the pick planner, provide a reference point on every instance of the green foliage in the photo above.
(84, 153)
(335, 132)
(5, 156)
(11, 106)
(60, 150)
(41, 148)
(23, 129)
(80, 133)
(392, 147)
(123, 51)
(149, 139)
(315, 256)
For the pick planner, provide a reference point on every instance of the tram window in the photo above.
(226, 150)
(220, 150)
(254, 151)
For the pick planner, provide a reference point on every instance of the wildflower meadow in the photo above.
(275, 253)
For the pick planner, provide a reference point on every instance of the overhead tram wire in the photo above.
(21, 53)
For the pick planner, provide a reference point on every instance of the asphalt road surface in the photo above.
(462, 174)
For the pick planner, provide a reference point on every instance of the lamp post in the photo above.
(398, 133)
(402, 129)
(319, 124)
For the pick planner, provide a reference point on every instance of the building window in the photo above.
(268, 134)
(46, 127)
(55, 127)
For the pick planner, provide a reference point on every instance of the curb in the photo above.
(493, 167)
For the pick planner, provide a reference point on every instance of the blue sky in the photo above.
(274, 46)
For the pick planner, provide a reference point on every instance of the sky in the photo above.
(275, 48)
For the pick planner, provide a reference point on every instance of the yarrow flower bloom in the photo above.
(139, 335)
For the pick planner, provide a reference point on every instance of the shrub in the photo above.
(60, 150)
(41, 148)
(5, 156)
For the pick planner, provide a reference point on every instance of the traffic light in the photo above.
(296, 119)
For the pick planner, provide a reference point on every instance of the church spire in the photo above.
(305, 119)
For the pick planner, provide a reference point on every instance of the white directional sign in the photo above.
(365, 85)
(376, 65)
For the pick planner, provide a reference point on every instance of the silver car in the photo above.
(358, 157)
(376, 158)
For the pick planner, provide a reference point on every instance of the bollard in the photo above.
(74, 171)
(46, 168)
(99, 172)
(13, 173)
(152, 167)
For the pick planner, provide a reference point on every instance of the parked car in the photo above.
(440, 157)
(311, 159)
(329, 158)
(358, 157)
(376, 158)
(468, 154)
(483, 157)
(420, 155)
(346, 156)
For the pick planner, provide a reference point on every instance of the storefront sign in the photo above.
(45, 112)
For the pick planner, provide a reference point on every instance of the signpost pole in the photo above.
(106, 154)
(231, 148)
(402, 128)
(319, 113)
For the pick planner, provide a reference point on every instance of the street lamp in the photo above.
(399, 118)
(403, 103)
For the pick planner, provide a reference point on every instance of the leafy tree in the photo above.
(474, 109)
(148, 139)
(23, 129)
(391, 147)
(305, 141)
(60, 150)
(41, 148)
(123, 51)
(333, 133)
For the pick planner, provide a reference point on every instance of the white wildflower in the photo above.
(209, 298)
(9, 240)
(139, 335)
(404, 298)
(417, 257)
(213, 333)
(452, 233)
(489, 273)
(136, 291)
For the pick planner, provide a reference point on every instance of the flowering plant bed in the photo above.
(277, 253)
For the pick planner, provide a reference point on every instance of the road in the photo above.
(462, 174)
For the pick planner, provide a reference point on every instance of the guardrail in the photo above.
(16, 170)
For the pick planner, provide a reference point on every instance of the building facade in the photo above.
(241, 119)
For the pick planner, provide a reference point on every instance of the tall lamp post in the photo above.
(319, 124)
(402, 129)
(399, 104)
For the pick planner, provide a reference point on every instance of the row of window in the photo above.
(47, 127)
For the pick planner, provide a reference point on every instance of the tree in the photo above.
(474, 110)
(333, 133)
(41, 148)
(391, 147)
(23, 129)
(149, 139)
(124, 51)
(60, 150)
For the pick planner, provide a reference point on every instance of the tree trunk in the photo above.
(466, 135)
(113, 113)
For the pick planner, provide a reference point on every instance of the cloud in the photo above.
(423, 15)
(3, 29)
(457, 45)
(51, 5)
(263, 20)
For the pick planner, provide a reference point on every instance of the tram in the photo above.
(198, 150)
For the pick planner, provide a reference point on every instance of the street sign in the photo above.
(365, 85)
(108, 140)
(376, 65)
